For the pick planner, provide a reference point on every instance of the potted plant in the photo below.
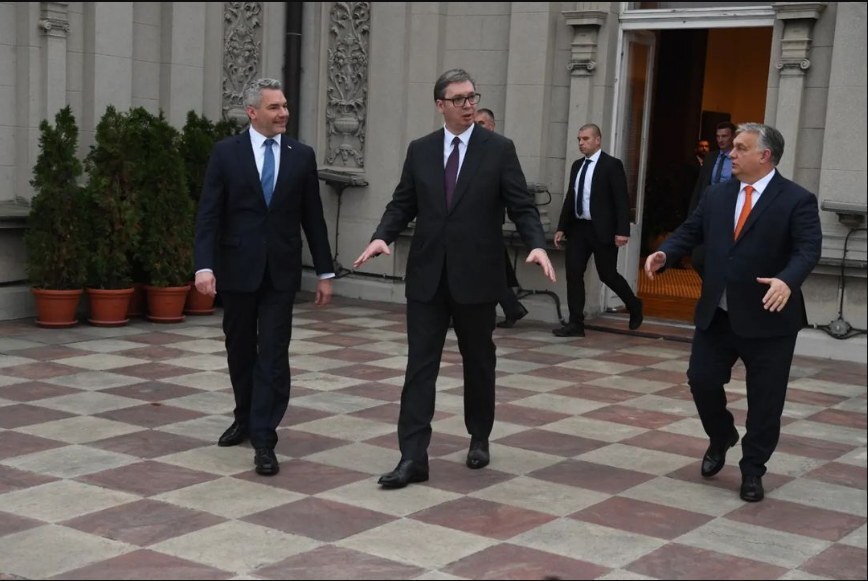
(114, 218)
(54, 237)
(197, 140)
(166, 250)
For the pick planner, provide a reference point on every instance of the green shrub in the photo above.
(56, 235)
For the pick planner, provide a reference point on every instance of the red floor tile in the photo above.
(484, 518)
(320, 519)
(143, 523)
(641, 517)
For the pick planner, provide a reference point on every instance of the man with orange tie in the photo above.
(762, 239)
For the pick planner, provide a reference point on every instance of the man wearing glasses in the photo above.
(456, 183)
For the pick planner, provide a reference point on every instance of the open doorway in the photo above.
(701, 79)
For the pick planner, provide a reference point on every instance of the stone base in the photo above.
(16, 302)
(817, 343)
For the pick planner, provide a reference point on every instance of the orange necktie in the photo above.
(745, 210)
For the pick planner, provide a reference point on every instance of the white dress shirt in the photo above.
(586, 189)
(448, 136)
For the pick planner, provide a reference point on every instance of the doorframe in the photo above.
(650, 21)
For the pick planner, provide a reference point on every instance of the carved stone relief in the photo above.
(347, 90)
(242, 54)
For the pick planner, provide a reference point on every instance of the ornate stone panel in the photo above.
(347, 89)
(242, 53)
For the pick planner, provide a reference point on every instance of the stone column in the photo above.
(528, 91)
(108, 59)
(26, 110)
(54, 25)
(181, 60)
(583, 65)
(797, 20)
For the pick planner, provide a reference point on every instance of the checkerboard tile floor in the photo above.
(109, 468)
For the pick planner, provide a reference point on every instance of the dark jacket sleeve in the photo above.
(403, 207)
(313, 221)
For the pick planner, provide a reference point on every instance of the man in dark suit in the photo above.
(261, 189)
(762, 238)
(455, 183)
(716, 168)
(595, 220)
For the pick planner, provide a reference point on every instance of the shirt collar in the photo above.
(258, 140)
(448, 136)
(761, 184)
(595, 156)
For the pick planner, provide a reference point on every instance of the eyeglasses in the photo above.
(462, 100)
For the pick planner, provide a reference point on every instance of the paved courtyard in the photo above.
(109, 468)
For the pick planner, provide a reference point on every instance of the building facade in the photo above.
(359, 77)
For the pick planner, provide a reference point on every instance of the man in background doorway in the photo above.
(513, 310)
(716, 169)
(595, 220)
(700, 151)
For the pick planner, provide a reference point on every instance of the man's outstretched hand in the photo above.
(540, 256)
(375, 248)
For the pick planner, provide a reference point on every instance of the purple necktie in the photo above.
(450, 176)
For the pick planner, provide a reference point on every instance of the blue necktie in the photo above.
(268, 172)
(718, 173)
(580, 190)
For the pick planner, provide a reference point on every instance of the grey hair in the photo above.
(767, 138)
(449, 77)
(253, 92)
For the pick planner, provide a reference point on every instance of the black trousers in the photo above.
(427, 325)
(582, 242)
(512, 307)
(767, 362)
(258, 327)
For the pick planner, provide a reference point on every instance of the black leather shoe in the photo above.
(636, 316)
(752, 488)
(236, 434)
(266, 462)
(570, 330)
(478, 456)
(715, 456)
(510, 321)
(405, 472)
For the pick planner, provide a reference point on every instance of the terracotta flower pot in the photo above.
(56, 308)
(198, 303)
(109, 307)
(166, 304)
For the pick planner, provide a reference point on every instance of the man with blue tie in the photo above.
(595, 220)
(261, 189)
(716, 169)
(763, 238)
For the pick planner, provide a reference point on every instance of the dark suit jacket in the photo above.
(609, 200)
(468, 237)
(704, 179)
(237, 235)
(781, 239)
